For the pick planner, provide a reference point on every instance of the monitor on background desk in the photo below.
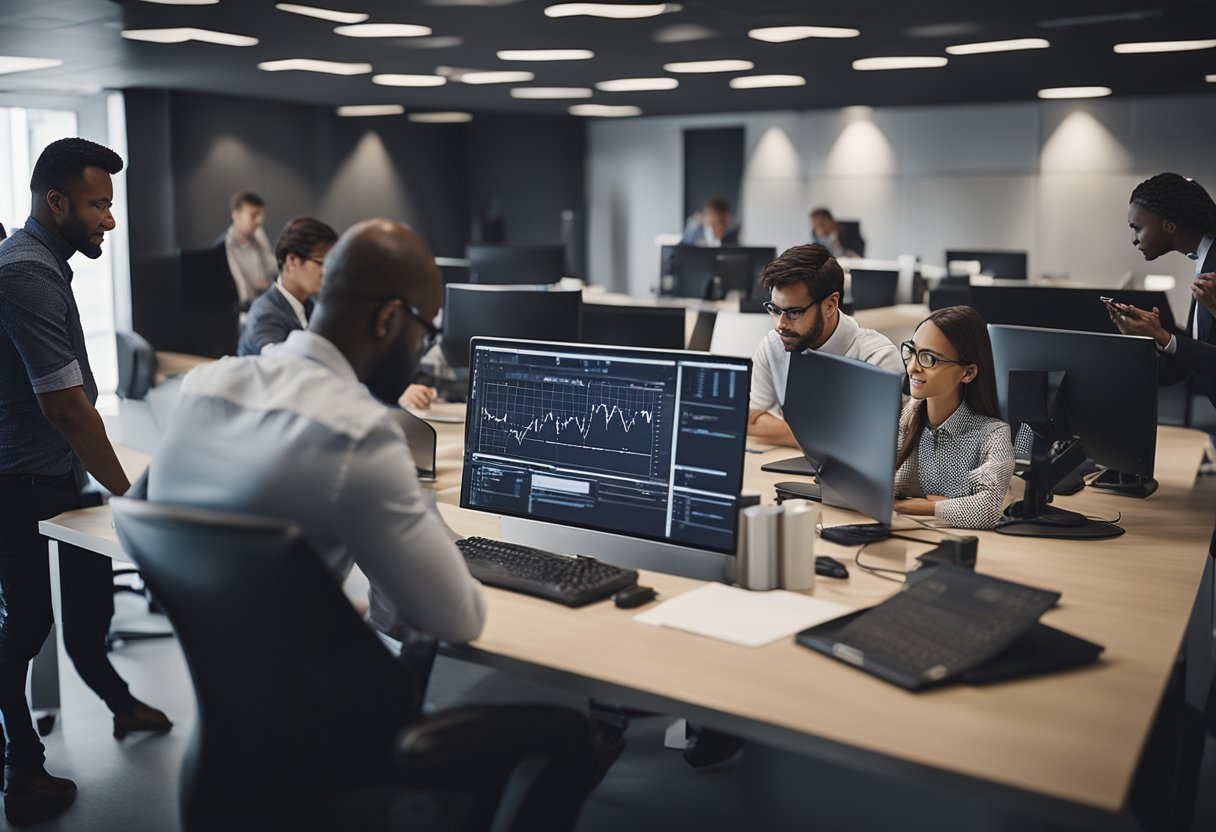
(658, 327)
(501, 264)
(632, 456)
(1008, 264)
(1061, 307)
(507, 312)
(710, 273)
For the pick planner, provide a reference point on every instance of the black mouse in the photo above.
(830, 567)
(634, 596)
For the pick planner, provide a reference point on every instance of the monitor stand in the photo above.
(1054, 522)
(1131, 485)
(797, 466)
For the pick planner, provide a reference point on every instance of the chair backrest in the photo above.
(208, 317)
(739, 333)
(136, 365)
(873, 288)
(850, 236)
(295, 693)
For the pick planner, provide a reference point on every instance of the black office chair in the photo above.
(306, 721)
(872, 289)
(850, 236)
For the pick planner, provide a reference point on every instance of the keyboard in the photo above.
(945, 624)
(573, 580)
(856, 534)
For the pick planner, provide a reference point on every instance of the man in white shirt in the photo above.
(805, 284)
(715, 228)
(296, 433)
(250, 259)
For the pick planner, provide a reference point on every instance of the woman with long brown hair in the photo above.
(955, 454)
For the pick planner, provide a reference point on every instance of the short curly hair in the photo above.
(61, 165)
(811, 264)
(1179, 199)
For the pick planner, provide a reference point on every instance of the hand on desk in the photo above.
(1133, 321)
(917, 505)
(418, 396)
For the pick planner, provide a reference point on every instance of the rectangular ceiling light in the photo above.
(502, 77)
(1163, 46)
(185, 34)
(998, 46)
(637, 84)
(311, 65)
(358, 110)
(1074, 92)
(392, 80)
(383, 30)
(871, 64)
(545, 55)
(12, 63)
(755, 82)
(323, 14)
(709, 66)
(784, 34)
(618, 11)
(183, 2)
(550, 92)
(604, 110)
(441, 118)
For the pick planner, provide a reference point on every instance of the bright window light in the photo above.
(998, 46)
(617, 11)
(1163, 46)
(311, 65)
(503, 77)
(441, 118)
(755, 82)
(604, 110)
(383, 30)
(188, 33)
(12, 63)
(783, 34)
(392, 80)
(869, 64)
(709, 66)
(637, 84)
(358, 110)
(323, 14)
(550, 92)
(545, 55)
(1075, 92)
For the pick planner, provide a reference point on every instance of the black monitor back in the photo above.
(689, 271)
(658, 327)
(1060, 307)
(853, 433)
(849, 232)
(518, 312)
(1007, 264)
(1109, 390)
(872, 288)
(209, 312)
(501, 264)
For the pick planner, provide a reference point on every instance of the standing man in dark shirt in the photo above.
(50, 435)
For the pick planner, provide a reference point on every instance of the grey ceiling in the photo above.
(467, 33)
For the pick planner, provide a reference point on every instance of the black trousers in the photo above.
(87, 603)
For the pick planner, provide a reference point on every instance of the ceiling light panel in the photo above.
(545, 55)
(383, 30)
(637, 84)
(494, 77)
(311, 65)
(604, 110)
(441, 118)
(183, 2)
(618, 11)
(360, 110)
(710, 66)
(784, 34)
(998, 46)
(1164, 46)
(13, 63)
(754, 82)
(1074, 92)
(550, 92)
(396, 80)
(1211, 79)
(323, 14)
(188, 33)
(871, 64)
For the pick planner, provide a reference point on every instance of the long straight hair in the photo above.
(967, 332)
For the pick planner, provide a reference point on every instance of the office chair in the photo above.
(136, 365)
(306, 721)
(850, 236)
(872, 289)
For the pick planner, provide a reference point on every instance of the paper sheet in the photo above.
(741, 616)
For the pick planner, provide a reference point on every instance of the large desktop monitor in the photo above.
(1007, 264)
(632, 456)
(506, 312)
(657, 327)
(1084, 395)
(711, 273)
(503, 264)
(849, 438)
(1061, 307)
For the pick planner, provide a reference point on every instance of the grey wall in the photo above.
(1052, 178)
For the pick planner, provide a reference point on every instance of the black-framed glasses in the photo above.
(925, 358)
(432, 331)
(791, 312)
(318, 260)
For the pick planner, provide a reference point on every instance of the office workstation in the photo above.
(611, 231)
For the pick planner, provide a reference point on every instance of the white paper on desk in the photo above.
(741, 616)
(448, 413)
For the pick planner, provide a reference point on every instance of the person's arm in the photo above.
(263, 327)
(1133, 321)
(418, 396)
(766, 427)
(989, 482)
(74, 415)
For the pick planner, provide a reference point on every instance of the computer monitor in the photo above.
(502, 264)
(1085, 395)
(208, 310)
(849, 437)
(657, 327)
(632, 456)
(506, 312)
(1008, 264)
(1060, 307)
(709, 273)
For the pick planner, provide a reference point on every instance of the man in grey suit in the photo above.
(285, 307)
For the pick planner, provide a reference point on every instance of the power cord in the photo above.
(878, 571)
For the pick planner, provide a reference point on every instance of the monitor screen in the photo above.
(690, 271)
(658, 327)
(1062, 307)
(507, 312)
(644, 443)
(500, 264)
(1008, 264)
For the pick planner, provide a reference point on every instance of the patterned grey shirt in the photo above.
(968, 460)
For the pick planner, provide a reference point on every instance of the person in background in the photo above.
(715, 228)
(955, 454)
(50, 435)
(250, 259)
(300, 252)
(826, 232)
(805, 285)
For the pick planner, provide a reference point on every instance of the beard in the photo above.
(394, 371)
(806, 341)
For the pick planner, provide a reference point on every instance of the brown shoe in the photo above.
(33, 796)
(143, 718)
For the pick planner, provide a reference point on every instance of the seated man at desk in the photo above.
(300, 251)
(805, 284)
(715, 228)
(826, 231)
(300, 433)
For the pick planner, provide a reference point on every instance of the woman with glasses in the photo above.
(955, 455)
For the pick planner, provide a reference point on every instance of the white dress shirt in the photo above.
(295, 304)
(292, 434)
(252, 263)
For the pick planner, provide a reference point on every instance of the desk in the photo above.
(1065, 746)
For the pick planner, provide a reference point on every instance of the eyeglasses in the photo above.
(791, 312)
(319, 261)
(432, 332)
(924, 358)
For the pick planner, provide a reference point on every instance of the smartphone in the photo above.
(1107, 301)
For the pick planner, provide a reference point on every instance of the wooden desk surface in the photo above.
(1074, 736)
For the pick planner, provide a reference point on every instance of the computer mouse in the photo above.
(830, 567)
(634, 596)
